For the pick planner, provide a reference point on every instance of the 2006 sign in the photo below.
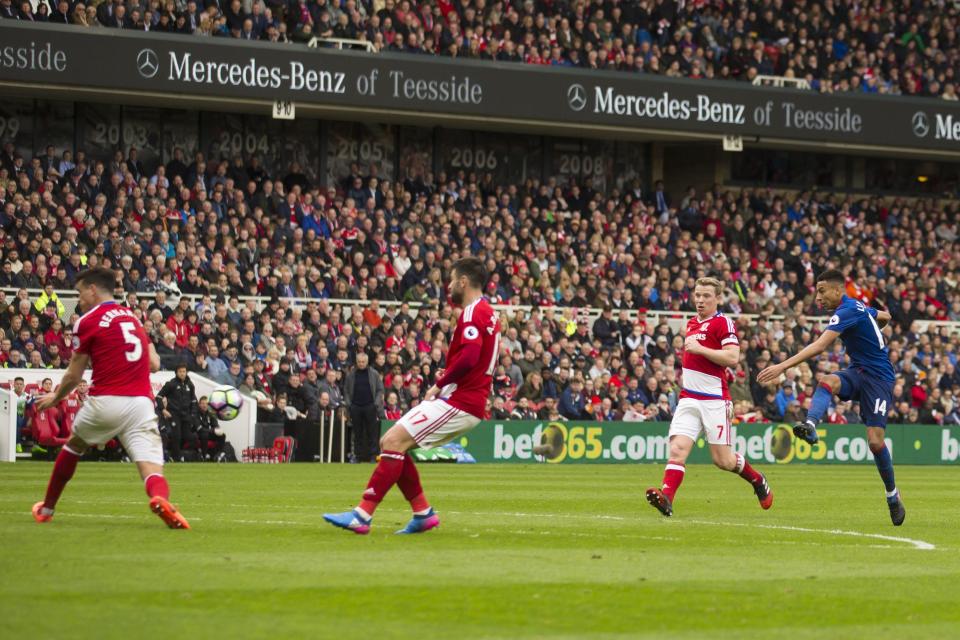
(468, 158)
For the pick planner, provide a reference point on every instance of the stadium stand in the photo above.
(908, 48)
(327, 270)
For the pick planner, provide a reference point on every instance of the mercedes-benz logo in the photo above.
(921, 124)
(577, 97)
(147, 63)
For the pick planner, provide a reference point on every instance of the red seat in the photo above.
(45, 427)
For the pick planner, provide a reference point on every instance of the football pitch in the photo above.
(527, 551)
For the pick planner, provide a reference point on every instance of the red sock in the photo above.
(745, 471)
(389, 468)
(156, 485)
(63, 470)
(672, 477)
(409, 483)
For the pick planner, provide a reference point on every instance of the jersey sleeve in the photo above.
(481, 323)
(841, 320)
(471, 334)
(81, 337)
(872, 312)
(726, 332)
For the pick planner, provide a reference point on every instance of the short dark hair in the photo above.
(100, 277)
(474, 269)
(832, 275)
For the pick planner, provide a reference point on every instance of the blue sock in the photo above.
(819, 404)
(885, 467)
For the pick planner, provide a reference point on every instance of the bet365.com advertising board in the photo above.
(580, 442)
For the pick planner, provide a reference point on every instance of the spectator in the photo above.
(572, 401)
(47, 299)
(606, 329)
(177, 406)
(364, 396)
(331, 387)
(785, 398)
(296, 425)
(209, 434)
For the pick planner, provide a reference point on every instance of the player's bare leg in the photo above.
(158, 490)
(727, 459)
(395, 466)
(63, 470)
(881, 456)
(662, 499)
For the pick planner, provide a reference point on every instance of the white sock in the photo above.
(422, 513)
(891, 494)
(363, 514)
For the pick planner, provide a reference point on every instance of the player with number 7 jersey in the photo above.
(110, 339)
(711, 347)
(454, 405)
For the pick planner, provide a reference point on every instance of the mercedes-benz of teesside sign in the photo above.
(169, 68)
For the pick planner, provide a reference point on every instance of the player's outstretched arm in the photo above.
(70, 380)
(772, 373)
(154, 358)
(883, 317)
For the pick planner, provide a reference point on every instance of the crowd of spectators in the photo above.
(885, 46)
(371, 256)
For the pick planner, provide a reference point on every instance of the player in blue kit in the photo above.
(868, 380)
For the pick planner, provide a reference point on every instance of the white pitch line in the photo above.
(917, 544)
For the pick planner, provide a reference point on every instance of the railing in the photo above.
(676, 319)
(780, 82)
(340, 43)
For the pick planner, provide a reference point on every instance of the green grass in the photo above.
(519, 555)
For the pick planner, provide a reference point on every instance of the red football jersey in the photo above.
(69, 409)
(117, 345)
(478, 323)
(703, 379)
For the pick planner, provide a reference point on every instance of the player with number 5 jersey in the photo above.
(110, 340)
(868, 380)
(451, 407)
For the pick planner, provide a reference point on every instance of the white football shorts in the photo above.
(711, 417)
(132, 419)
(435, 423)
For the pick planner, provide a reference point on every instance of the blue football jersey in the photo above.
(864, 343)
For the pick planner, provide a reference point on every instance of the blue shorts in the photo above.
(874, 395)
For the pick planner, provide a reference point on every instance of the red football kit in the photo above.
(702, 378)
(117, 345)
(461, 385)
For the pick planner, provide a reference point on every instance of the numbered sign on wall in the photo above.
(284, 110)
